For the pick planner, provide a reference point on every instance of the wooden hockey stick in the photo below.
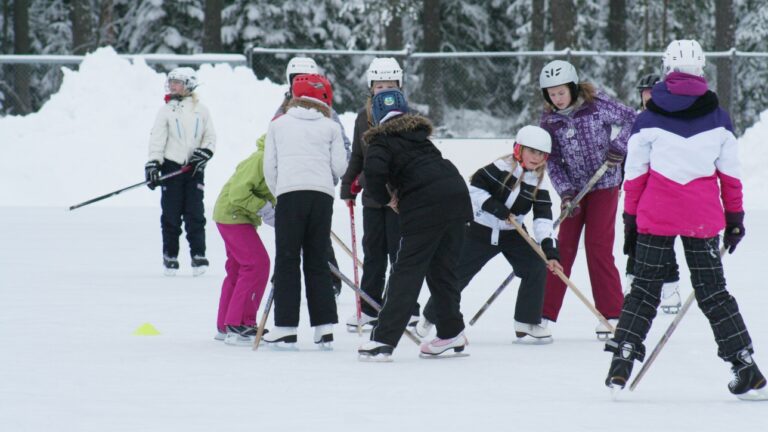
(346, 248)
(263, 322)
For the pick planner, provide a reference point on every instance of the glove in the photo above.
(199, 158)
(355, 187)
(565, 202)
(152, 174)
(630, 234)
(613, 158)
(267, 214)
(734, 230)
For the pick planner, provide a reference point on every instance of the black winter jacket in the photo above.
(430, 190)
(355, 166)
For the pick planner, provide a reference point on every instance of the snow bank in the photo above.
(753, 153)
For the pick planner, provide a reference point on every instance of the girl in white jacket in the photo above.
(304, 151)
(182, 135)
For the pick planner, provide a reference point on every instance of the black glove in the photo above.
(152, 174)
(614, 158)
(734, 230)
(199, 158)
(565, 201)
(549, 246)
(630, 234)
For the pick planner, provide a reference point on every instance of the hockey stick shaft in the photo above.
(585, 190)
(373, 303)
(354, 266)
(491, 299)
(263, 322)
(346, 248)
(561, 275)
(119, 191)
(667, 334)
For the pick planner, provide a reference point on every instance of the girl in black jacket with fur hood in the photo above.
(434, 205)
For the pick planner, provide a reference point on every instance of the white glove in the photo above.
(267, 214)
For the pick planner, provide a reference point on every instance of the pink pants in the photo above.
(598, 218)
(247, 275)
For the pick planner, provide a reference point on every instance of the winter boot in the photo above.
(533, 333)
(367, 322)
(437, 346)
(602, 332)
(199, 265)
(670, 298)
(624, 355)
(747, 383)
(281, 338)
(373, 351)
(324, 336)
(171, 265)
(423, 327)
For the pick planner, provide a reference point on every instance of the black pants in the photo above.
(653, 255)
(303, 223)
(672, 273)
(433, 253)
(182, 198)
(381, 237)
(527, 265)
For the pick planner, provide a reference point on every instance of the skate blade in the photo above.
(442, 355)
(281, 346)
(366, 328)
(603, 336)
(239, 342)
(530, 340)
(616, 391)
(755, 395)
(380, 358)
(170, 272)
(325, 346)
(670, 310)
(199, 271)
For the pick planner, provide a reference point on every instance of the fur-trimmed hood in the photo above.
(402, 125)
(309, 104)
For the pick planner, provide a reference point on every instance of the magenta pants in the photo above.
(247, 275)
(597, 218)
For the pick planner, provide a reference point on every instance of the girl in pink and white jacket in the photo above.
(682, 179)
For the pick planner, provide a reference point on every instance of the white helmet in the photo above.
(298, 66)
(684, 56)
(186, 75)
(384, 69)
(558, 72)
(534, 137)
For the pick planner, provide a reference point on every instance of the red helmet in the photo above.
(314, 86)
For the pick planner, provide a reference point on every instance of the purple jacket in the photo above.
(581, 141)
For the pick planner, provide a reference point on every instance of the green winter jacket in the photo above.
(245, 193)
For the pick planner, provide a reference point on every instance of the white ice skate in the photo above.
(171, 265)
(414, 321)
(220, 335)
(436, 348)
(199, 265)
(373, 351)
(602, 332)
(281, 338)
(423, 327)
(367, 322)
(240, 335)
(534, 334)
(670, 298)
(324, 337)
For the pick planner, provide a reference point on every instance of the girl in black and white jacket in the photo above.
(508, 188)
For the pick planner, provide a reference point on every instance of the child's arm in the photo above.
(338, 152)
(270, 160)
(209, 132)
(158, 137)
(543, 223)
(620, 117)
(729, 173)
(637, 169)
(246, 188)
(376, 171)
(556, 166)
(483, 183)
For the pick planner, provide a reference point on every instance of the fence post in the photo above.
(407, 62)
(733, 90)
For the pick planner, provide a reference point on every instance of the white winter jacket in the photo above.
(180, 127)
(304, 150)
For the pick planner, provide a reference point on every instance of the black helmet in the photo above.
(648, 81)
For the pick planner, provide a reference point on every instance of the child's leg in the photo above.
(408, 272)
(245, 244)
(321, 301)
(172, 203)
(599, 235)
(720, 308)
(228, 286)
(568, 243)
(194, 213)
(640, 304)
(375, 256)
(532, 272)
(475, 253)
(443, 282)
(291, 216)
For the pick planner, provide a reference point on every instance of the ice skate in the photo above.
(367, 322)
(670, 298)
(199, 265)
(747, 383)
(373, 351)
(324, 337)
(220, 335)
(171, 265)
(602, 332)
(621, 365)
(241, 335)
(281, 338)
(414, 321)
(534, 334)
(437, 347)
(423, 327)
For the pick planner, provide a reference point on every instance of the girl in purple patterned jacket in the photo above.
(588, 129)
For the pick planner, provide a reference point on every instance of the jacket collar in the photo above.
(402, 125)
